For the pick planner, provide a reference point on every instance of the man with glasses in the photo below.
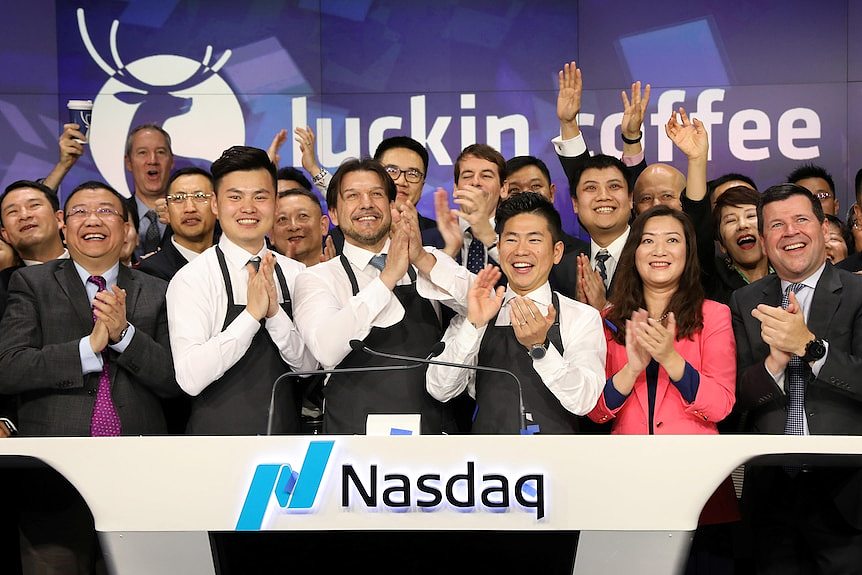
(189, 199)
(84, 345)
(819, 182)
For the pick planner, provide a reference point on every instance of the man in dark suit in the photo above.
(188, 199)
(84, 346)
(799, 346)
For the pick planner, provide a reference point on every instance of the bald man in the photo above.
(659, 184)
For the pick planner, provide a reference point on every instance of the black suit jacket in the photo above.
(165, 263)
(564, 275)
(833, 399)
(48, 312)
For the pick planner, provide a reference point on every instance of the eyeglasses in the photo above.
(101, 213)
(536, 188)
(412, 175)
(823, 195)
(197, 197)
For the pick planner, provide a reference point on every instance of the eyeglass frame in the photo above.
(197, 198)
(102, 212)
(395, 173)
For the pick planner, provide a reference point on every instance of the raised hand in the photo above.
(447, 223)
(277, 141)
(634, 110)
(398, 257)
(569, 100)
(688, 135)
(328, 250)
(483, 299)
(530, 326)
(591, 288)
(305, 138)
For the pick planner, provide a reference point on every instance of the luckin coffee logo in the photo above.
(293, 490)
(187, 97)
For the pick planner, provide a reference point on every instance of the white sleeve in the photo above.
(462, 341)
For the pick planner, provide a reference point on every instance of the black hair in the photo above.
(242, 159)
(30, 184)
(302, 192)
(530, 203)
(736, 196)
(519, 162)
(189, 171)
(354, 165)
(403, 142)
(712, 185)
(97, 185)
(598, 162)
(782, 192)
(812, 171)
(294, 175)
(483, 152)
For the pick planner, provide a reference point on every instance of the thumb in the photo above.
(793, 305)
(671, 323)
(552, 314)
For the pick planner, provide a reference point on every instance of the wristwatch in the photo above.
(122, 334)
(538, 350)
(814, 351)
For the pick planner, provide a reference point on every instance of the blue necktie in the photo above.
(378, 261)
(476, 256)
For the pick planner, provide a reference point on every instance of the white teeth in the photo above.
(367, 219)
(520, 265)
(795, 246)
(94, 237)
(659, 264)
(605, 210)
(247, 221)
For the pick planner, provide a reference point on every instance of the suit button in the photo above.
(604, 418)
(91, 392)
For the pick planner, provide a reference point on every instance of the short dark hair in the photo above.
(782, 192)
(530, 203)
(242, 159)
(836, 221)
(520, 162)
(97, 185)
(403, 142)
(355, 165)
(154, 127)
(598, 162)
(295, 175)
(30, 184)
(302, 192)
(189, 171)
(712, 185)
(858, 184)
(737, 196)
(812, 171)
(484, 152)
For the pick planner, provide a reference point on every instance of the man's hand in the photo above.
(688, 135)
(634, 110)
(257, 292)
(591, 288)
(109, 306)
(447, 224)
(305, 137)
(328, 250)
(420, 258)
(99, 337)
(398, 257)
(475, 206)
(277, 141)
(569, 100)
(161, 208)
(784, 329)
(267, 271)
(530, 326)
(71, 144)
(483, 299)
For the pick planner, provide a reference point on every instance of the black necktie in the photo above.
(601, 257)
(475, 256)
(255, 262)
(795, 388)
(152, 235)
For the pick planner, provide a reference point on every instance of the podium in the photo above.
(156, 500)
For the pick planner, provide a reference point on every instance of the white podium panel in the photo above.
(170, 491)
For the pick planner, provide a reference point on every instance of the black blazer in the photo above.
(48, 312)
(165, 263)
(833, 400)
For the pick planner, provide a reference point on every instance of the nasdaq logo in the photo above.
(293, 490)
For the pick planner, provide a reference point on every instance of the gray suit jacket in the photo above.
(833, 399)
(48, 312)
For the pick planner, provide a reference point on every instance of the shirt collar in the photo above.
(63, 256)
(238, 257)
(810, 281)
(540, 295)
(110, 275)
(615, 248)
(184, 251)
(359, 257)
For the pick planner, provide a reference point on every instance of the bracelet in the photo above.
(630, 141)
(321, 175)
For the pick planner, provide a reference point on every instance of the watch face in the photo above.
(537, 352)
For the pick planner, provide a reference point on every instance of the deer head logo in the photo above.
(186, 97)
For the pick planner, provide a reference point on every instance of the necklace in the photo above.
(663, 317)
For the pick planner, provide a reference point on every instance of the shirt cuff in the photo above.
(777, 378)
(91, 362)
(613, 398)
(571, 148)
(121, 345)
(632, 161)
(688, 383)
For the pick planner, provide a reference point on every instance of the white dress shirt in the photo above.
(615, 249)
(329, 316)
(576, 378)
(197, 305)
(184, 251)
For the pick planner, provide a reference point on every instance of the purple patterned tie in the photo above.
(105, 421)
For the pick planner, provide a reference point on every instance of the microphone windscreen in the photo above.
(357, 345)
(437, 349)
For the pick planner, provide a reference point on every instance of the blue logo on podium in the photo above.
(292, 489)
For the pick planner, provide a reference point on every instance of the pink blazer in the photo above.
(712, 352)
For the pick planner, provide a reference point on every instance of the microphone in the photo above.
(357, 345)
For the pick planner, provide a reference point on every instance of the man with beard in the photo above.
(379, 291)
